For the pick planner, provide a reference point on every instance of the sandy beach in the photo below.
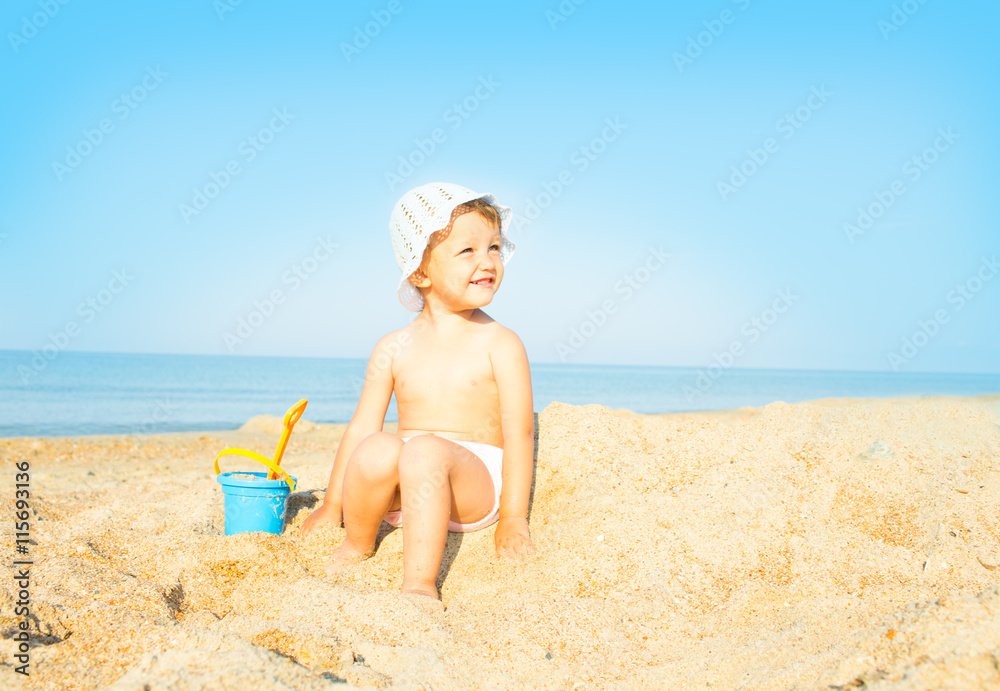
(831, 544)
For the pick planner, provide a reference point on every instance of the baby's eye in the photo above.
(495, 247)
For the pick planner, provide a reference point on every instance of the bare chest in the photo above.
(442, 373)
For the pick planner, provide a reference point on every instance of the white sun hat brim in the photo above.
(423, 211)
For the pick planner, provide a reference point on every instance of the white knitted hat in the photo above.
(425, 210)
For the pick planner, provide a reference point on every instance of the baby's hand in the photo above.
(512, 538)
(326, 513)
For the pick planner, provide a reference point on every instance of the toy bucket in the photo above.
(254, 503)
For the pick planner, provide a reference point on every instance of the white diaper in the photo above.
(492, 458)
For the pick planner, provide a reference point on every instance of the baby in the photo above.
(462, 456)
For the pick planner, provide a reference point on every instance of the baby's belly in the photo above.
(451, 417)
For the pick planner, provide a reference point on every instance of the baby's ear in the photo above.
(419, 279)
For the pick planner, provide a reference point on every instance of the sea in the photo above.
(79, 393)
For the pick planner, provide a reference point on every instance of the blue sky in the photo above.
(739, 138)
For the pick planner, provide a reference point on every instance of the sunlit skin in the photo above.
(457, 374)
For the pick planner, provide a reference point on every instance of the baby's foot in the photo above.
(426, 592)
(344, 556)
(424, 601)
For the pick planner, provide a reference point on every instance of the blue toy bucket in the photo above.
(254, 503)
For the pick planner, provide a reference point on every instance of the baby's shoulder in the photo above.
(500, 339)
(393, 342)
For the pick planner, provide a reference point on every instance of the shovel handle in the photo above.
(294, 413)
(291, 417)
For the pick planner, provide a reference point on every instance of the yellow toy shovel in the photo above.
(291, 417)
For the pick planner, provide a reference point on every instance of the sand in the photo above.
(833, 544)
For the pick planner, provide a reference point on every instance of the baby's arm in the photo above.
(513, 378)
(368, 418)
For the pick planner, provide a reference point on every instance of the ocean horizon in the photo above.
(83, 393)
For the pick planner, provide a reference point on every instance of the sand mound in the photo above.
(849, 544)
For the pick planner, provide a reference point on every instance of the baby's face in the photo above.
(464, 268)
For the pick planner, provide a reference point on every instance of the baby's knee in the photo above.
(377, 456)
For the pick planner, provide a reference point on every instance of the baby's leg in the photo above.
(370, 483)
(438, 480)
